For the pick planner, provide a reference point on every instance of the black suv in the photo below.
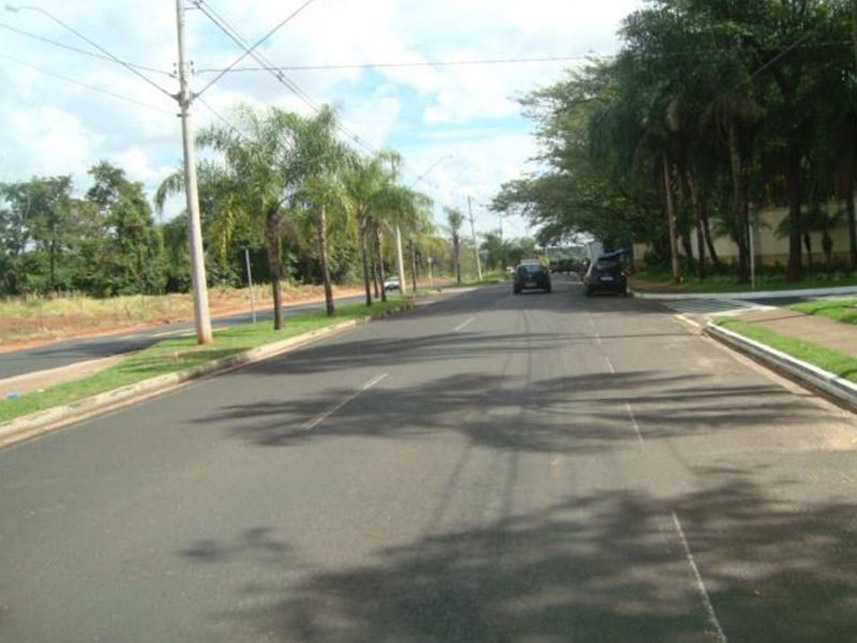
(531, 275)
(606, 274)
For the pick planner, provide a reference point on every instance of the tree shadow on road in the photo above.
(607, 566)
(574, 414)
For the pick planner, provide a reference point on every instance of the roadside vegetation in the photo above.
(280, 190)
(173, 355)
(711, 111)
(841, 310)
(35, 318)
(660, 281)
(829, 360)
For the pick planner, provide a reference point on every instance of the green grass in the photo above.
(829, 360)
(178, 354)
(842, 310)
(729, 283)
(494, 277)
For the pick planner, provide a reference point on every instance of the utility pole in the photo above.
(250, 282)
(475, 245)
(500, 216)
(400, 262)
(197, 258)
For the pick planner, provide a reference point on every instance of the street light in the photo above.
(184, 98)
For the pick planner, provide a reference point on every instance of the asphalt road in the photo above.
(70, 351)
(491, 468)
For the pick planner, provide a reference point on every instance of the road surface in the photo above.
(80, 349)
(491, 468)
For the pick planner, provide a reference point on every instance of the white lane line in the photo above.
(712, 617)
(634, 421)
(464, 324)
(594, 330)
(366, 386)
(610, 364)
(688, 320)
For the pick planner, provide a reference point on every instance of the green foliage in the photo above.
(175, 355)
(826, 359)
(842, 310)
(742, 105)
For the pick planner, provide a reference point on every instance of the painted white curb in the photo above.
(761, 294)
(28, 426)
(832, 384)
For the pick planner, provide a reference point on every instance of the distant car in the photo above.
(605, 274)
(391, 284)
(531, 275)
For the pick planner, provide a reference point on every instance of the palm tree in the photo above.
(374, 200)
(320, 185)
(455, 219)
(269, 160)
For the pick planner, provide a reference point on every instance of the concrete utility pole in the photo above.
(475, 244)
(250, 282)
(500, 216)
(403, 285)
(194, 228)
(400, 262)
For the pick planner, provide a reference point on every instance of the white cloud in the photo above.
(469, 111)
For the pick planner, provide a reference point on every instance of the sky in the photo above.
(459, 127)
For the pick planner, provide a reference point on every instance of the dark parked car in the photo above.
(531, 275)
(606, 274)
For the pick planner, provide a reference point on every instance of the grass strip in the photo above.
(724, 284)
(841, 310)
(826, 359)
(178, 354)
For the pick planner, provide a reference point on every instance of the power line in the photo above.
(79, 50)
(426, 63)
(222, 24)
(220, 117)
(94, 44)
(474, 62)
(87, 86)
(249, 52)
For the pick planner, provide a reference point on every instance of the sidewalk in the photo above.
(814, 329)
(817, 352)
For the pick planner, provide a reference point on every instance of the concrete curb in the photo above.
(761, 294)
(28, 426)
(842, 390)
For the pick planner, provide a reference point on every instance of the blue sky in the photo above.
(461, 121)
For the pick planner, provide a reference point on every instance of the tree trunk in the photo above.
(827, 246)
(379, 262)
(702, 266)
(793, 271)
(364, 254)
(852, 224)
(739, 204)
(53, 254)
(413, 250)
(668, 190)
(456, 252)
(709, 240)
(321, 234)
(272, 237)
(807, 243)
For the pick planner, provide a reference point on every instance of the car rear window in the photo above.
(529, 268)
(605, 265)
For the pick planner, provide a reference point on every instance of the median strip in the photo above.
(169, 364)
